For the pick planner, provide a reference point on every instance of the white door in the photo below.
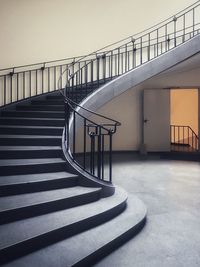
(157, 120)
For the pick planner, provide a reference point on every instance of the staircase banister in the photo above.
(71, 102)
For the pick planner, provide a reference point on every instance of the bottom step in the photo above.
(90, 246)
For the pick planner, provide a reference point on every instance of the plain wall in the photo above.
(127, 108)
(34, 31)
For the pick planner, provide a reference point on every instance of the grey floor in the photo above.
(171, 192)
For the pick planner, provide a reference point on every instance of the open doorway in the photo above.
(184, 119)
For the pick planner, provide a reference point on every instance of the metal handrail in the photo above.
(145, 40)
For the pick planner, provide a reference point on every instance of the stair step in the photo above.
(22, 237)
(29, 140)
(19, 184)
(72, 252)
(37, 130)
(33, 114)
(29, 166)
(18, 207)
(32, 121)
(48, 102)
(20, 152)
(41, 107)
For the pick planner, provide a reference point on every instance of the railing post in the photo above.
(110, 155)
(99, 153)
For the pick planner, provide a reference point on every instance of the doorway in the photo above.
(184, 120)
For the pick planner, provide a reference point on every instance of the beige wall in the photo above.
(127, 108)
(40, 30)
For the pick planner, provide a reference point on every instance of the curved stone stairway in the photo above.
(47, 217)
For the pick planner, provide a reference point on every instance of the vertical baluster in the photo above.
(133, 49)
(188, 136)
(48, 79)
(86, 75)
(55, 77)
(61, 84)
(183, 134)
(115, 64)
(98, 71)
(148, 51)
(11, 85)
(126, 58)
(92, 72)
(30, 89)
(5, 93)
(17, 86)
(192, 140)
(184, 28)
(166, 39)
(193, 20)
(42, 70)
(118, 61)
(122, 62)
(84, 143)
(178, 134)
(157, 41)
(23, 84)
(175, 19)
(74, 133)
(102, 157)
(141, 51)
(110, 156)
(99, 153)
(36, 81)
(111, 63)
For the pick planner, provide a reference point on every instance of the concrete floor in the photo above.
(171, 192)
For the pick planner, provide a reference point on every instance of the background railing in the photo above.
(102, 65)
(184, 136)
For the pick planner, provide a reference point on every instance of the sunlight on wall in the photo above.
(184, 108)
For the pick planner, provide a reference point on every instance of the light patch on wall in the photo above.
(184, 108)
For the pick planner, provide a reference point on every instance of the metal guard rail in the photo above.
(90, 147)
(102, 66)
(185, 136)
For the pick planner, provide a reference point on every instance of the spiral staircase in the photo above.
(58, 203)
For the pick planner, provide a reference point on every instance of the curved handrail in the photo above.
(132, 38)
(97, 68)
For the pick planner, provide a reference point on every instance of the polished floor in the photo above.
(171, 192)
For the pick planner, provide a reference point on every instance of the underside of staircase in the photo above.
(47, 216)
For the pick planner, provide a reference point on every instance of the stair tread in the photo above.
(35, 111)
(29, 199)
(71, 250)
(30, 127)
(14, 162)
(23, 230)
(13, 148)
(28, 119)
(28, 136)
(31, 178)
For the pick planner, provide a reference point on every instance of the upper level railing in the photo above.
(184, 136)
(102, 66)
(21, 82)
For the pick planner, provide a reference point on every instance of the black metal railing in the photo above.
(106, 64)
(88, 142)
(102, 65)
(184, 136)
